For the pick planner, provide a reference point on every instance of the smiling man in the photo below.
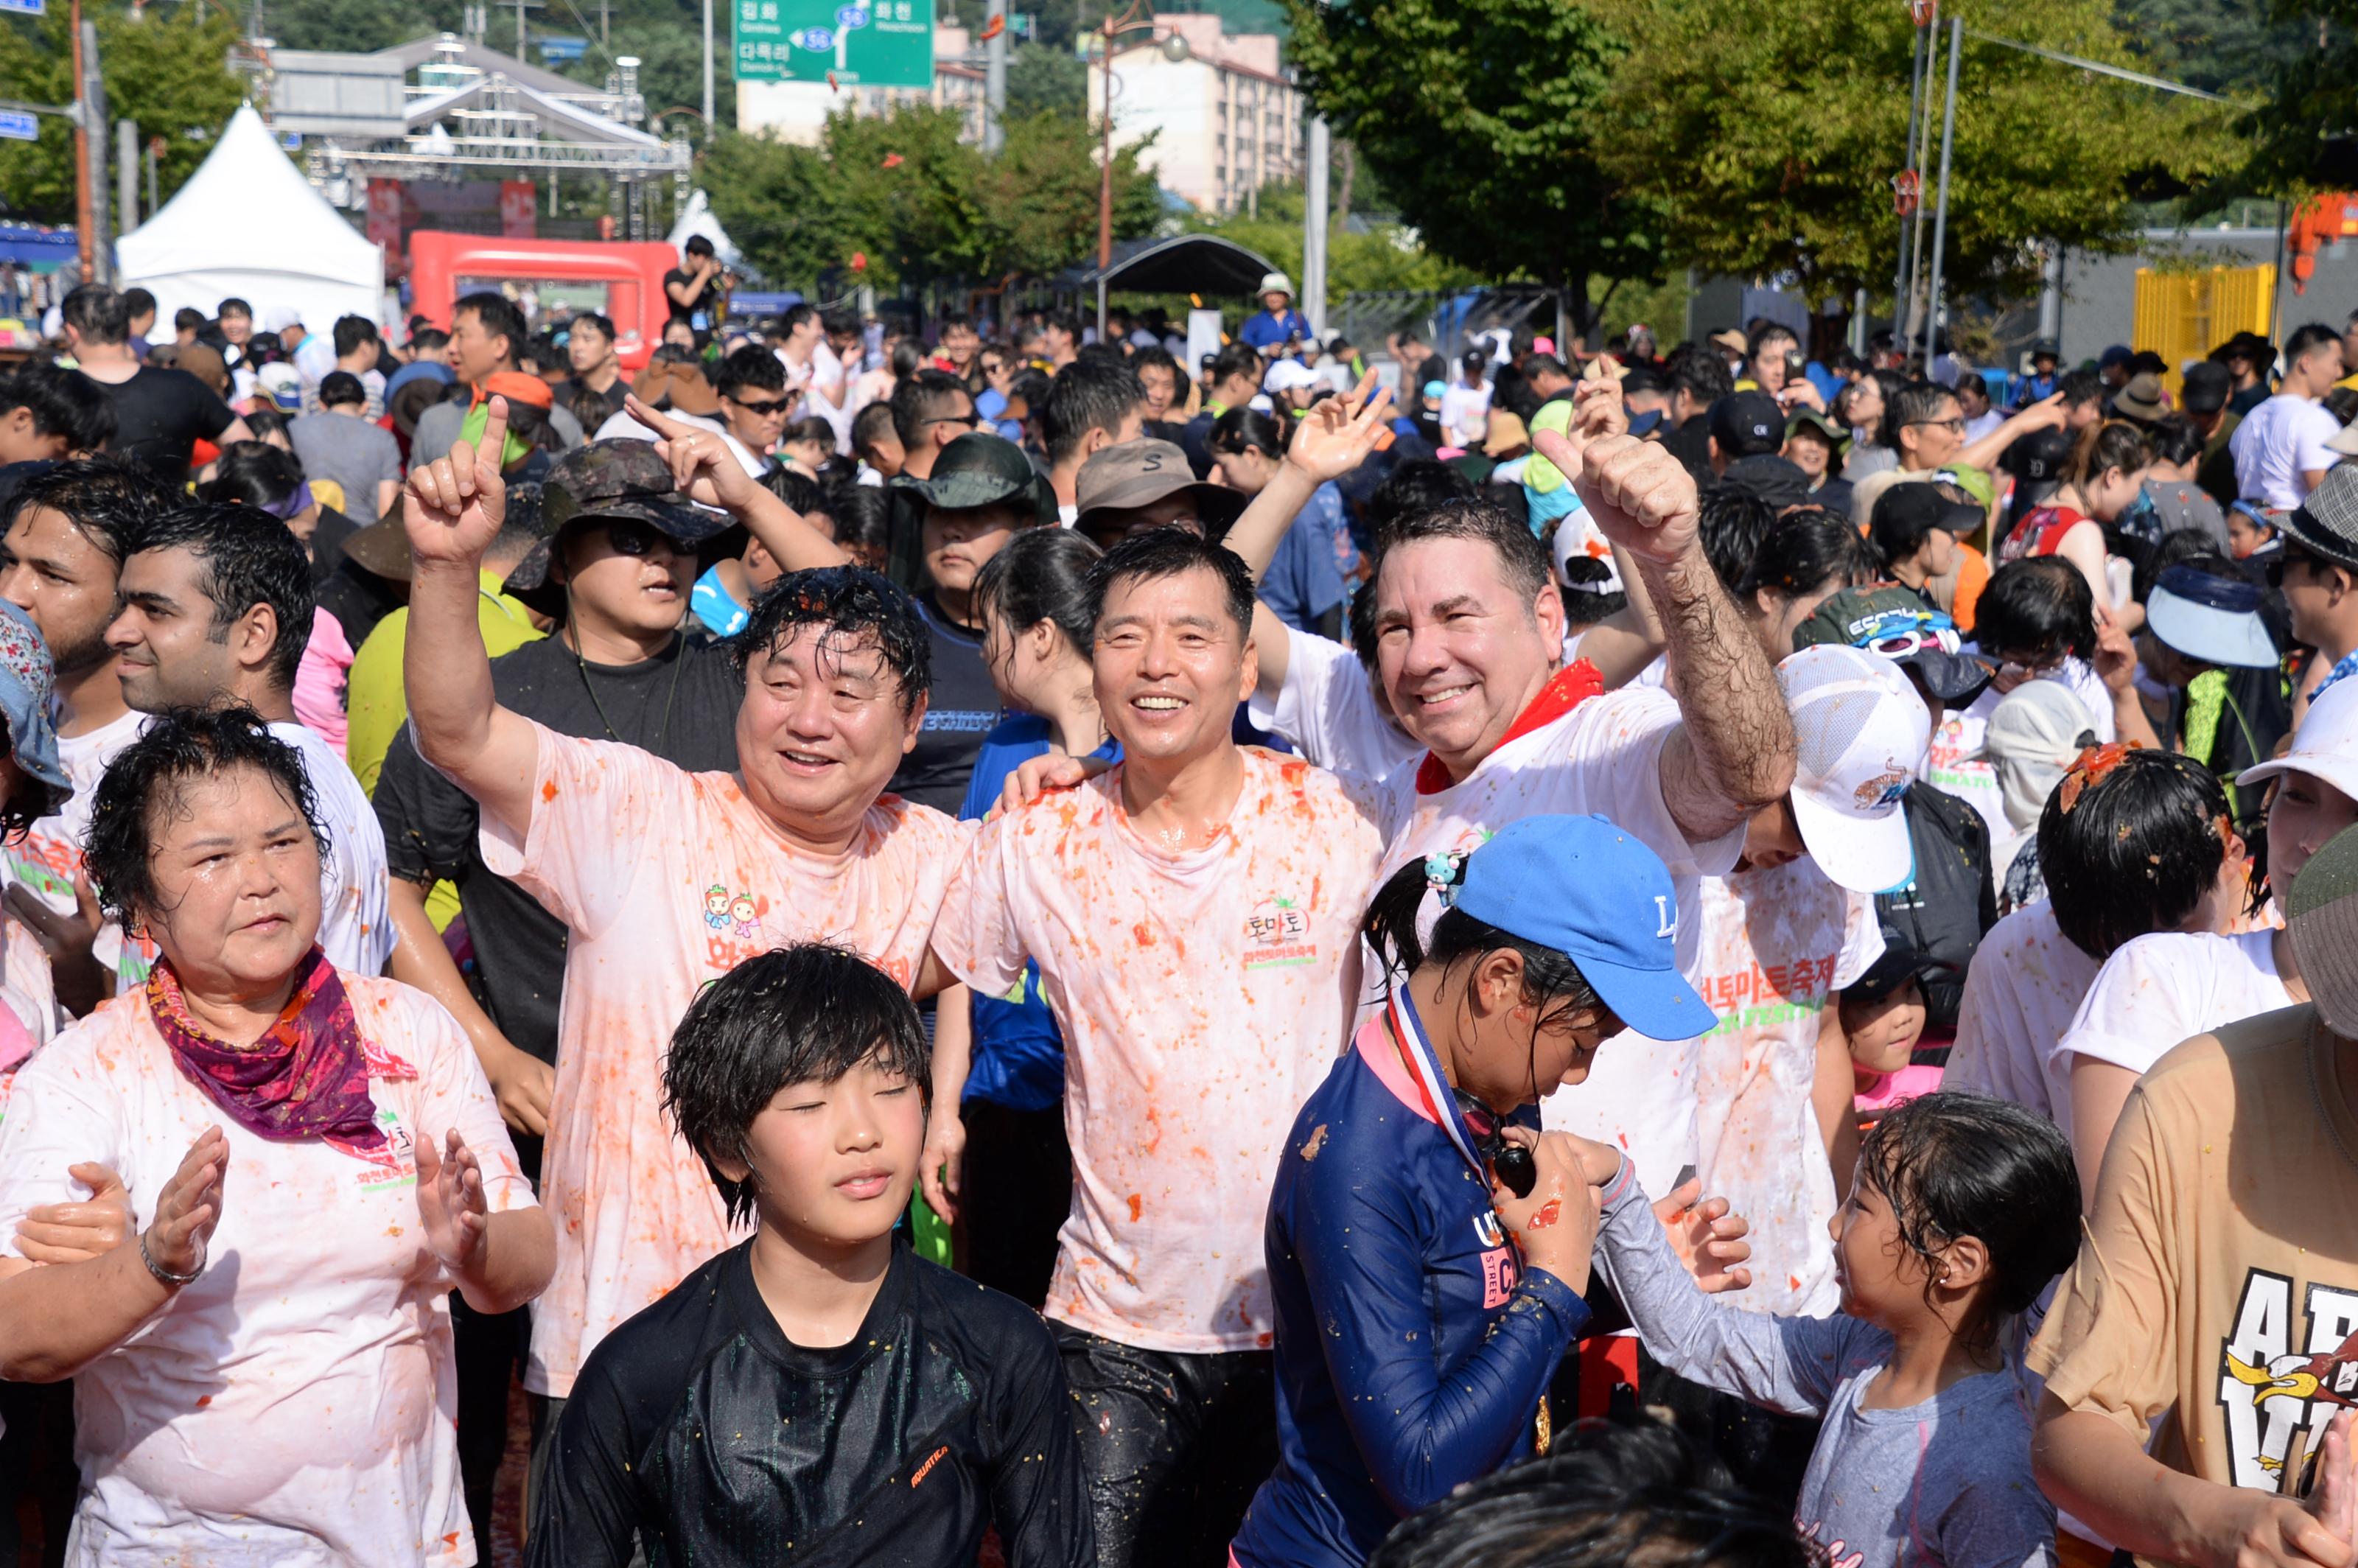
(216, 610)
(666, 879)
(1195, 914)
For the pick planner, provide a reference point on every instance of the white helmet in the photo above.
(1276, 283)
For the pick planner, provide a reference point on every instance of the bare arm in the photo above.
(2095, 1469)
(1734, 754)
(1329, 442)
(705, 469)
(57, 1318)
(522, 1083)
(2045, 413)
(239, 430)
(1833, 1095)
(499, 1261)
(2099, 1090)
(943, 1170)
(451, 508)
(388, 489)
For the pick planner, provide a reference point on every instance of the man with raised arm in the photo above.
(666, 879)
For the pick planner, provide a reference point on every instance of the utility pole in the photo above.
(994, 75)
(1940, 213)
(127, 176)
(91, 131)
(1901, 270)
(1314, 230)
(82, 199)
(707, 70)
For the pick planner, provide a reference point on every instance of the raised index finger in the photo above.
(495, 434)
(661, 424)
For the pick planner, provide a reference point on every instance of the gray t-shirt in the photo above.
(353, 452)
(438, 431)
(1945, 1484)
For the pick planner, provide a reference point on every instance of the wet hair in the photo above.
(63, 403)
(1552, 983)
(1731, 521)
(753, 366)
(267, 422)
(1085, 396)
(1168, 553)
(1808, 553)
(247, 558)
(110, 501)
(498, 315)
(1041, 574)
(809, 1013)
(863, 513)
(2038, 604)
(256, 473)
(798, 491)
(1248, 430)
(1361, 615)
(97, 313)
(919, 399)
(1608, 1494)
(1699, 369)
(2115, 444)
(1522, 559)
(854, 606)
(1419, 484)
(149, 781)
(1953, 1165)
(2129, 842)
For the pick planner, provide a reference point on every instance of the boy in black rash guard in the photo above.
(819, 1394)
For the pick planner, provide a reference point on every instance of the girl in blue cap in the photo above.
(1428, 1247)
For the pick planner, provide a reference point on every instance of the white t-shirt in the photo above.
(1954, 769)
(50, 856)
(1604, 757)
(1466, 414)
(2158, 989)
(1203, 995)
(2025, 986)
(295, 1405)
(622, 427)
(666, 879)
(2277, 443)
(1778, 943)
(355, 919)
(26, 987)
(1329, 711)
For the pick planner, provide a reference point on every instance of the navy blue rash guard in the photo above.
(1413, 1350)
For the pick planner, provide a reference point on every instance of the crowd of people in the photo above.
(964, 947)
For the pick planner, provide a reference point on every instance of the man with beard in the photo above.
(67, 537)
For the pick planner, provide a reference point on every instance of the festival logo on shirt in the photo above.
(716, 907)
(2272, 1384)
(1277, 934)
(733, 924)
(397, 1166)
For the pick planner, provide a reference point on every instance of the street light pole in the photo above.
(1940, 213)
(994, 75)
(84, 206)
(708, 67)
(1314, 229)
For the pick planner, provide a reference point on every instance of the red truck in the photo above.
(619, 279)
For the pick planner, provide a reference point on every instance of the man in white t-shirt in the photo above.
(2280, 447)
(1469, 637)
(666, 879)
(1196, 916)
(59, 560)
(216, 610)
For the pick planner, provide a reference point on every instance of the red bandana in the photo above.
(1565, 690)
(307, 1076)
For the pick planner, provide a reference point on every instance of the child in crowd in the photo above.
(819, 1388)
(1882, 1019)
(1962, 1209)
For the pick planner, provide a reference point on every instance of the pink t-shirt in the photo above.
(1777, 943)
(320, 681)
(295, 1405)
(1203, 996)
(666, 879)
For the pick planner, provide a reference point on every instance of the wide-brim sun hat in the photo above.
(2213, 619)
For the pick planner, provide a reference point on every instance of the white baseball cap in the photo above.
(278, 318)
(1275, 283)
(1289, 375)
(2324, 747)
(1861, 734)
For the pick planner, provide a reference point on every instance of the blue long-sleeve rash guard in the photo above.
(1413, 1349)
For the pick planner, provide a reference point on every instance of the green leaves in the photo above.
(921, 206)
(168, 73)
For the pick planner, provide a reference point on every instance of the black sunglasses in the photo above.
(970, 419)
(777, 406)
(2285, 560)
(632, 538)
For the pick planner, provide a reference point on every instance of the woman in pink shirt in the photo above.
(263, 1372)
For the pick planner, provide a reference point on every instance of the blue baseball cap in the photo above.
(1596, 894)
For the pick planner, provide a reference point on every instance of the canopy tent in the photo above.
(247, 224)
(1180, 263)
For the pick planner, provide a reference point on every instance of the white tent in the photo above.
(247, 224)
(697, 218)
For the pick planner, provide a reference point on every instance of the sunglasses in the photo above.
(2287, 559)
(970, 419)
(777, 405)
(630, 538)
(1956, 423)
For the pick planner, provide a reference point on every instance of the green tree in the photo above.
(168, 73)
(901, 191)
(1767, 136)
(1041, 80)
(1481, 118)
(1385, 256)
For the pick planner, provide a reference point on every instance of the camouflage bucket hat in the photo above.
(619, 478)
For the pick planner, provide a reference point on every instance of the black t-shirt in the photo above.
(704, 301)
(681, 706)
(573, 386)
(159, 414)
(697, 1425)
(964, 708)
(356, 596)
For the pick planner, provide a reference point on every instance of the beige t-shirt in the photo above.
(2218, 1282)
(666, 879)
(1203, 995)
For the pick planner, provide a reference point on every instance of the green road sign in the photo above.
(865, 43)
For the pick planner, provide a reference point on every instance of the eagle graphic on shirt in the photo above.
(2280, 1371)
